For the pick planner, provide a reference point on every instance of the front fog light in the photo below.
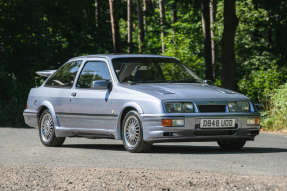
(172, 122)
(253, 121)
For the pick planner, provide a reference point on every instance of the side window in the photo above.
(92, 71)
(65, 75)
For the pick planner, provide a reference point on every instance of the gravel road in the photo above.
(87, 164)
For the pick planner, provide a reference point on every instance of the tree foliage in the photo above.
(277, 113)
(38, 34)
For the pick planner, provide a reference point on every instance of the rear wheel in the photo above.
(236, 144)
(132, 134)
(47, 131)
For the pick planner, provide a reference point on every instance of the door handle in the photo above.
(74, 94)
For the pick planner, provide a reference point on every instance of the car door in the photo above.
(58, 90)
(90, 101)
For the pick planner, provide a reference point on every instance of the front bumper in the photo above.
(153, 131)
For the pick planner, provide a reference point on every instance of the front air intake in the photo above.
(211, 108)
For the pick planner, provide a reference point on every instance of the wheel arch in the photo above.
(40, 111)
(46, 105)
(124, 111)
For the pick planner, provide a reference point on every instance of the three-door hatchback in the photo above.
(140, 99)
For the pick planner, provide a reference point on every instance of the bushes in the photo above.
(277, 114)
(13, 97)
(262, 76)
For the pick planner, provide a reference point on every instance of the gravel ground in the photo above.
(62, 178)
(88, 164)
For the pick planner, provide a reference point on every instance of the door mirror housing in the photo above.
(206, 82)
(102, 84)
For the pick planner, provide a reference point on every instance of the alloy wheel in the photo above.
(132, 131)
(47, 127)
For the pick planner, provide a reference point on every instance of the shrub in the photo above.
(262, 76)
(13, 97)
(276, 118)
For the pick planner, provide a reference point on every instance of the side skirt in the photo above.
(84, 132)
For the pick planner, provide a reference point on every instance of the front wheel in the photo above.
(47, 131)
(236, 144)
(132, 134)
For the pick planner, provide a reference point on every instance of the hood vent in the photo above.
(225, 91)
(163, 91)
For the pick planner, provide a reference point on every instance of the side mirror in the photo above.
(102, 84)
(206, 82)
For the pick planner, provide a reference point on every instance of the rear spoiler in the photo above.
(46, 73)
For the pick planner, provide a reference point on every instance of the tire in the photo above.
(47, 131)
(132, 134)
(236, 144)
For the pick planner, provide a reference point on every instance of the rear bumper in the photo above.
(31, 118)
(154, 132)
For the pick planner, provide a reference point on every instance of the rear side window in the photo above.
(64, 77)
(92, 71)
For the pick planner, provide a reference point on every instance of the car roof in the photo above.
(113, 56)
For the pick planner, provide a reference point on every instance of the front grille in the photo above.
(211, 108)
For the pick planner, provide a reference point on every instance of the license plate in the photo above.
(217, 123)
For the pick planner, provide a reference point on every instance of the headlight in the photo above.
(240, 106)
(179, 107)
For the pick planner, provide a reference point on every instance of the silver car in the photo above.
(139, 99)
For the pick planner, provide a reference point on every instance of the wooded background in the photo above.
(240, 45)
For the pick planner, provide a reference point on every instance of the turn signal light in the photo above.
(253, 121)
(166, 122)
(257, 121)
(172, 122)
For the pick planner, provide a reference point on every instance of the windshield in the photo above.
(152, 70)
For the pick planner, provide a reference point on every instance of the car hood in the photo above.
(194, 91)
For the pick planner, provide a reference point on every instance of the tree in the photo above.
(174, 11)
(212, 8)
(144, 13)
(209, 52)
(174, 16)
(97, 13)
(115, 27)
(228, 55)
(140, 26)
(129, 20)
(162, 23)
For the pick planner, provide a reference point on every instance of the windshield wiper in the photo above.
(131, 82)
